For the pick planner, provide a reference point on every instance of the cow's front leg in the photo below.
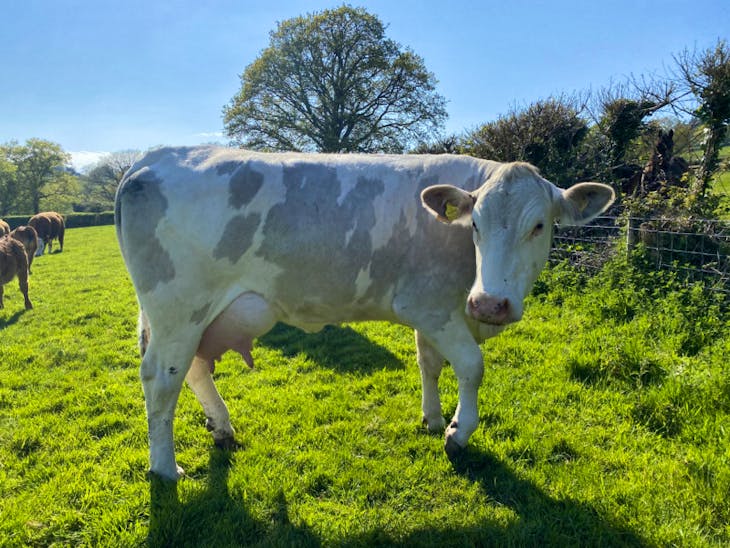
(218, 420)
(455, 342)
(466, 419)
(430, 363)
(163, 369)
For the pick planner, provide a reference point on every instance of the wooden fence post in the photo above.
(631, 233)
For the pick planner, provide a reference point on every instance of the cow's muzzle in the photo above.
(492, 310)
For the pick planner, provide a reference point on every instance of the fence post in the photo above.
(631, 223)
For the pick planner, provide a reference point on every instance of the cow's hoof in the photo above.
(227, 443)
(453, 449)
(451, 446)
(436, 426)
(164, 476)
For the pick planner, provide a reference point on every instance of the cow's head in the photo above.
(512, 217)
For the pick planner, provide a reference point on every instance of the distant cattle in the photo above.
(13, 262)
(48, 226)
(4, 228)
(27, 236)
(449, 245)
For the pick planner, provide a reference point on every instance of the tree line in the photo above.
(333, 81)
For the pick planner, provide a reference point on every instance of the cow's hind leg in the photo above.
(218, 420)
(247, 317)
(23, 282)
(164, 366)
(430, 363)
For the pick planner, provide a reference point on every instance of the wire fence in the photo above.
(698, 249)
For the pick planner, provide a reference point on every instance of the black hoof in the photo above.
(227, 444)
(453, 449)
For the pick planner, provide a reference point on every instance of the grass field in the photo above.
(605, 421)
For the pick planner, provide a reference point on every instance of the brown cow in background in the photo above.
(48, 225)
(4, 228)
(13, 261)
(27, 236)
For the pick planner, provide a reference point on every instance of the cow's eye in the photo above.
(538, 229)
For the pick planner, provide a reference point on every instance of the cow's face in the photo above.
(512, 217)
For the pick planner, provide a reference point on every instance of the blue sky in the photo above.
(103, 76)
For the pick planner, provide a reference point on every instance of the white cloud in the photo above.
(84, 159)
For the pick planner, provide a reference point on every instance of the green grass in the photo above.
(605, 421)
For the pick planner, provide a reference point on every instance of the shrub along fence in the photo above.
(73, 220)
(697, 249)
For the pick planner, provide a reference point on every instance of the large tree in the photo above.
(39, 177)
(41, 171)
(333, 82)
(7, 181)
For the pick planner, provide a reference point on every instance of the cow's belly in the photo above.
(311, 293)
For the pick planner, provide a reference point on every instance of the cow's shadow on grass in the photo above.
(10, 320)
(541, 520)
(340, 348)
(214, 516)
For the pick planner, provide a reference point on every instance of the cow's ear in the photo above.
(583, 202)
(447, 203)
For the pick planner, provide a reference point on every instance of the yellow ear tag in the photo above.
(452, 212)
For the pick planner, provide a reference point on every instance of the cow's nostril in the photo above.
(490, 309)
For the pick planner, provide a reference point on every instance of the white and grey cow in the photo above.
(449, 245)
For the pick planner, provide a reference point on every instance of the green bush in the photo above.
(78, 220)
(16, 220)
(73, 220)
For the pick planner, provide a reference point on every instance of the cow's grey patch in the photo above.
(172, 371)
(226, 168)
(142, 204)
(436, 274)
(387, 263)
(237, 237)
(321, 241)
(244, 185)
(199, 315)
